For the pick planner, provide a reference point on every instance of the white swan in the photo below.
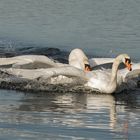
(106, 81)
(100, 80)
(78, 59)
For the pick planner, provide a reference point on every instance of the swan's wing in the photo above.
(14, 62)
(133, 74)
(102, 66)
(104, 63)
(131, 78)
(125, 73)
(29, 61)
(7, 61)
(37, 61)
(45, 73)
(99, 61)
(36, 64)
(135, 66)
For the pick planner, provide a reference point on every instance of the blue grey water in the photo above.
(101, 28)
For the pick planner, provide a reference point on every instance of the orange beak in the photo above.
(128, 65)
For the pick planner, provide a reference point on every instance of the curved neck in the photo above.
(115, 66)
(114, 71)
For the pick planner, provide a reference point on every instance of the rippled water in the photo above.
(100, 27)
(69, 116)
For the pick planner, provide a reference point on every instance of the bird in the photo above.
(77, 58)
(104, 80)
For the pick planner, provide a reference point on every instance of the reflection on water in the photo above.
(69, 116)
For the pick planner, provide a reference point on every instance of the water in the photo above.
(69, 116)
(102, 28)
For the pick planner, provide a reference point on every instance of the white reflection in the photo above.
(88, 103)
(102, 102)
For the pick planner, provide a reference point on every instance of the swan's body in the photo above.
(105, 81)
(128, 78)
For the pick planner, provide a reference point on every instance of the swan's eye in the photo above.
(87, 67)
(127, 60)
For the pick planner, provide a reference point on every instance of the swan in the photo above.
(103, 81)
(78, 59)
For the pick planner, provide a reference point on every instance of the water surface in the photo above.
(69, 116)
(100, 27)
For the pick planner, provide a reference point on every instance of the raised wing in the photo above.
(133, 74)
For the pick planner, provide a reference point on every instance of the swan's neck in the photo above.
(115, 66)
(114, 71)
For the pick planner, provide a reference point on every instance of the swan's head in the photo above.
(87, 67)
(127, 61)
(78, 59)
